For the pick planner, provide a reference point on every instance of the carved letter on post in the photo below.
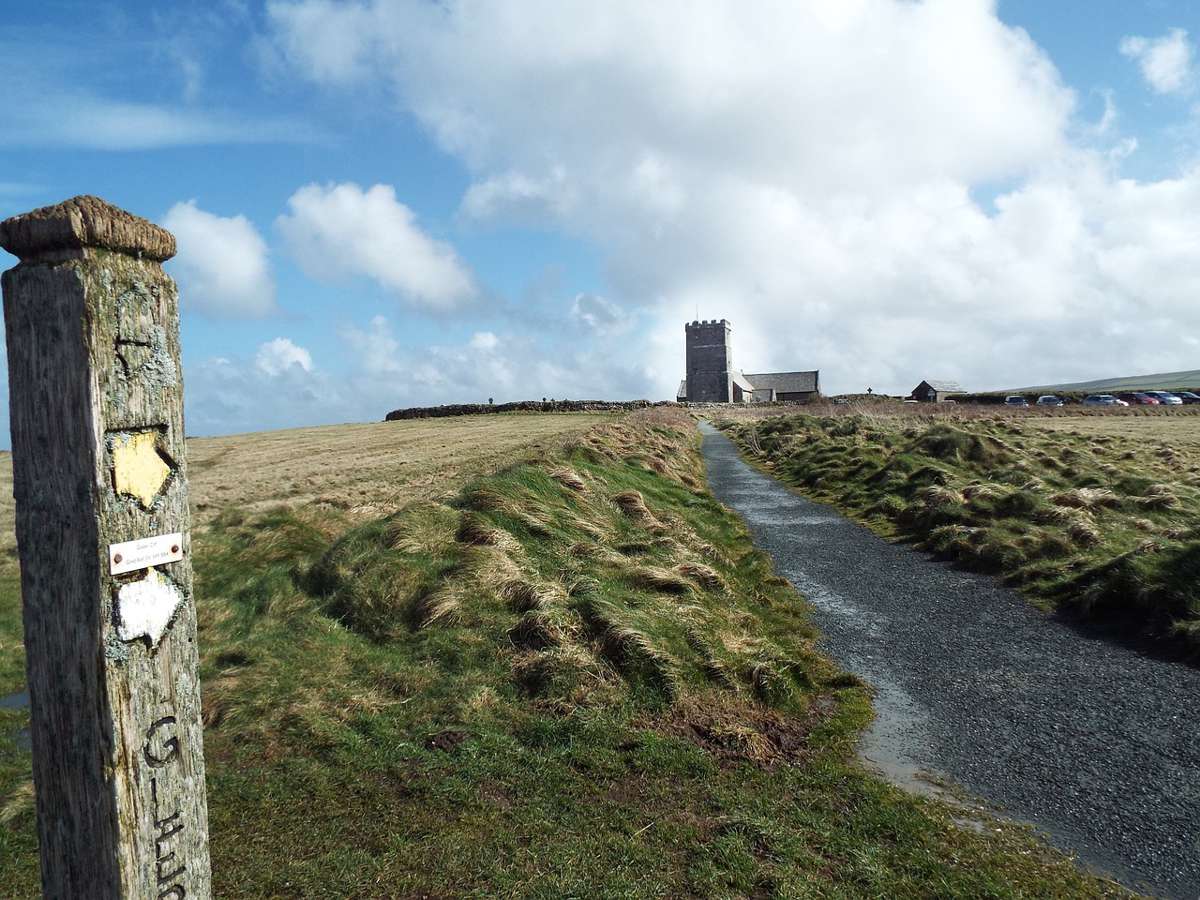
(103, 531)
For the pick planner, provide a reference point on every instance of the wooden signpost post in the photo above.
(103, 531)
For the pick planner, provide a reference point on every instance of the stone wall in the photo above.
(549, 406)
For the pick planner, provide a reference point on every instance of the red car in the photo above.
(1137, 398)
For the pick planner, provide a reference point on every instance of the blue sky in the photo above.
(1004, 194)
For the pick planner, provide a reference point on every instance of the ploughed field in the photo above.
(570, 674)
(1097, 515)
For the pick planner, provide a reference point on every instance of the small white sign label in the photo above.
(142, 554)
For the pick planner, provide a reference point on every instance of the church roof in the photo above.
(945, 386)
(785, 382)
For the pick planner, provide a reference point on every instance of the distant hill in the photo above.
(1167, 381)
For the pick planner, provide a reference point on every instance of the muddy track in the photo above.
(1095, 743)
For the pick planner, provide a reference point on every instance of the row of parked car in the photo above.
(1130, 398)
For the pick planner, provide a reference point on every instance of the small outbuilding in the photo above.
(936, 391)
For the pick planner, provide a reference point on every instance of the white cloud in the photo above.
(327, 35)
(103, 85)
(519, 197)
(72, 119)
(822, 174)
(484, 340)
(1166, 62)
(340, 229)
(281, 386)
(375, 349)
(599, 315)
(504, 367)
(278, 356)
(227, 395)
(222, 263)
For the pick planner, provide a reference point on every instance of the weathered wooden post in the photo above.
(103, 530)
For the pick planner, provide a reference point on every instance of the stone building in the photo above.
(936, 391)
(712, 377)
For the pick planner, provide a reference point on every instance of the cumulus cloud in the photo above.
(519, 197)
(599, 315)
(484, 340)
(222, 263)
(505, 367)
(822, 174)
(227, 395)
(1166, 62)
(339, 230)
(277, 356)
(281, 385)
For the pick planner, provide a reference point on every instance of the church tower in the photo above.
(709, 362)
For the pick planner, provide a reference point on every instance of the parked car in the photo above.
(1188, 397)
(1049, 400)
(1103, 400)
(1166, 398)
(1138, 398)
(1015, 400)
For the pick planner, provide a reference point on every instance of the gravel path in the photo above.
(1095, 743)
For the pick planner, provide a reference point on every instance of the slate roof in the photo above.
(786, 382)
(741, 381)
(945, 387)
(780, 382)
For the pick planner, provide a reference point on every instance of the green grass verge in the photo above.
(580, 679)
(1105, 527)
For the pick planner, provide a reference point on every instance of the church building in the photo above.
(712, 378)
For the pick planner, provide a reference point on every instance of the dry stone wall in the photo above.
(551, 406)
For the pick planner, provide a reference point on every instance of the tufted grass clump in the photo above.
(371, 587)
(1048, 510)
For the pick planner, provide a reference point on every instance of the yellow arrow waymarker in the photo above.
(138, 468)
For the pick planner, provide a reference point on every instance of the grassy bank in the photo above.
(579, 678)
(1101, 524)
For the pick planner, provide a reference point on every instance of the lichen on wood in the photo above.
(98, 459)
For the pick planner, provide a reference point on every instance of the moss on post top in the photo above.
(81, 222)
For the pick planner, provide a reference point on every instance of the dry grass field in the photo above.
(368, 470)
(1182, 430)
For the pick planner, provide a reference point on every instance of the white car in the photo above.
(1049, 400)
